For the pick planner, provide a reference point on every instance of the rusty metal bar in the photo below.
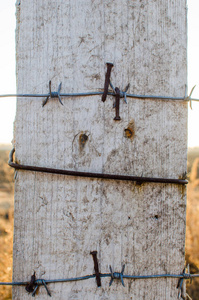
(107, 81)
(136, 179)
(96, 267)
(117, 105)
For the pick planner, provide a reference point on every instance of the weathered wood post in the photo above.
(60, 219)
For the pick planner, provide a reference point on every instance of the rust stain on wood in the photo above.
(82, 140)
(129, 132)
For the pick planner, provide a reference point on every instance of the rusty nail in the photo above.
(96, 267)
(117, 104)
(31, 285)
(107, 81)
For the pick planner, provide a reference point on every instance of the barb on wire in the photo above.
(38, 283)
(116, 275)
(123, 94)
(53, 94)
(188, 98)
(180, 287)
(33, 285)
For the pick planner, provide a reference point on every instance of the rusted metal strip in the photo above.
(96, 267)
(31, 285)
(107, 81)
(136, 179)
(117, 105)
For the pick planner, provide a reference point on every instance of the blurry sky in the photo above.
(193, 70)
(7, 69)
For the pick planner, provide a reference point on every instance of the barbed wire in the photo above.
(104, 93)
(98, 93)
(33, 284)
(116, 92)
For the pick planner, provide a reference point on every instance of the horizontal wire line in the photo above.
(101, 93)
(92, 175)
(38, 281)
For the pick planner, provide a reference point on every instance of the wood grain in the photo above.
(59, 220)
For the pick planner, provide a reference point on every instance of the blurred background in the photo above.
(7, 115)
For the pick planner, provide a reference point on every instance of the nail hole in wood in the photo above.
(129, 132)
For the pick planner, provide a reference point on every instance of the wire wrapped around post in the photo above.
(136, 179)
(33, 285)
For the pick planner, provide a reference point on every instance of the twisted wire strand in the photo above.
(103, 275)
(101, 93)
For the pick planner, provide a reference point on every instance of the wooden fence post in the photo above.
(60, 219)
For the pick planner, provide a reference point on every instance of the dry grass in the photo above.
(194, 170)
(192, 232)
(6, 242)
(6, 222)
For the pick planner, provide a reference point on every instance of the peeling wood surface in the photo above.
(59, 220)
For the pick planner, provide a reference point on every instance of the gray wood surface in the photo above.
(60, 219)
